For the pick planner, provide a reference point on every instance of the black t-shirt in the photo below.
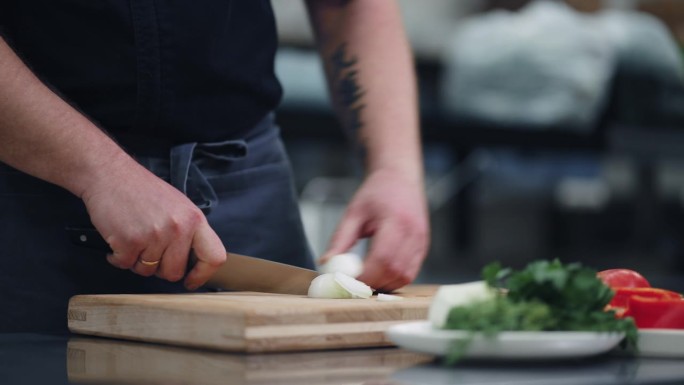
(185, 71)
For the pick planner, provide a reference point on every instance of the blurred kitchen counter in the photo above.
(47, 359)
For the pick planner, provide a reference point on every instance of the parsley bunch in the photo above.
(544, 296)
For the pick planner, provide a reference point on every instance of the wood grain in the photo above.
(245, 321)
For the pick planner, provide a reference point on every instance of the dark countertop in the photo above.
(48, 359)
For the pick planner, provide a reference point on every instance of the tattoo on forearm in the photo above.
(347, 89)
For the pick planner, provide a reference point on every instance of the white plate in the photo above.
(661, 343)
(421, 337)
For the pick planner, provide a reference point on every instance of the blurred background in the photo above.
(551, 129)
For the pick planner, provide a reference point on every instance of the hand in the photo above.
(391, 209)
(151, 226)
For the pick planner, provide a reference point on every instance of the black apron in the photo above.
(187, 89)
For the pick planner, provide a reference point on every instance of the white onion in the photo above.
(389, 297)
(338, 285)
(357, 288)
(450, 296)
(325, 286)
(347, 263)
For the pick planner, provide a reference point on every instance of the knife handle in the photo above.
(88, 237)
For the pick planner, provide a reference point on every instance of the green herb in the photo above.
(544, 296)
(493, 316)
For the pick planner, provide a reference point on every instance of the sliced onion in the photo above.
(356, 288)
(389, 297)
(338, 285)
(347, 263)
(325, 286)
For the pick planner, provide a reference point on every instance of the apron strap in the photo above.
(186, 175)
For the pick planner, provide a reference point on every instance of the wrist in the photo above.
(407, 163)
(105, 168)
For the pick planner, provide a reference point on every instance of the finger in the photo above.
(148, 262)
(410, 267)
(123, 260)
(211, 254)
(383, 262)
(397, 284)
(374, 275)
(345, 236)
(174, 260)
(124, 253)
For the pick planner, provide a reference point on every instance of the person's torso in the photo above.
(180, 70)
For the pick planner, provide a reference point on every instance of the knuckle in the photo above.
(175, 227)
(156, 233)
(137, 241)
(195, 217)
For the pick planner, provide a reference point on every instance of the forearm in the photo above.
(44, 136)
(370, 72)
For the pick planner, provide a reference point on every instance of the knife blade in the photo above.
(238, 273)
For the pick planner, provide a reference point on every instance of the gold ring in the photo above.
(148, 263)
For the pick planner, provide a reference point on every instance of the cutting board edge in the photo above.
(99, 320)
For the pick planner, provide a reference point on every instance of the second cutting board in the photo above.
(247, 322)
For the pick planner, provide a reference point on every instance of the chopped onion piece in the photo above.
(389, 297)
(356, 288)
(325, 286)
(350, 264)
(449, 296)
(338, 285)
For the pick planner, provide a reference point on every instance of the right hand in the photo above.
(143, 218)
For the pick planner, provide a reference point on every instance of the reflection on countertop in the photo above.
(44, 359)
(595, 371)
(91, 360)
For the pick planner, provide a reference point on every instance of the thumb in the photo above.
(345, 236)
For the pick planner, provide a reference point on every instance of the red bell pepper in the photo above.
(623, 295)
(649, 307)
(649, 313)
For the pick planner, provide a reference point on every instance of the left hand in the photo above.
(390, 208)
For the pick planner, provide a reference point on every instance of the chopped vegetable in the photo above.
(623, 295)
(576, 297)
(389, 298)
(347, 263)
(451, 296)
(654, 313)
(615, 278)
(324, 286)
(497, 314)
(356, 288)
(544, 296)
(338, 286)
(649, 307)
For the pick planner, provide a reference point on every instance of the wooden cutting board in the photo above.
(245, 321)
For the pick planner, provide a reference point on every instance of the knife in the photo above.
(238, 273)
